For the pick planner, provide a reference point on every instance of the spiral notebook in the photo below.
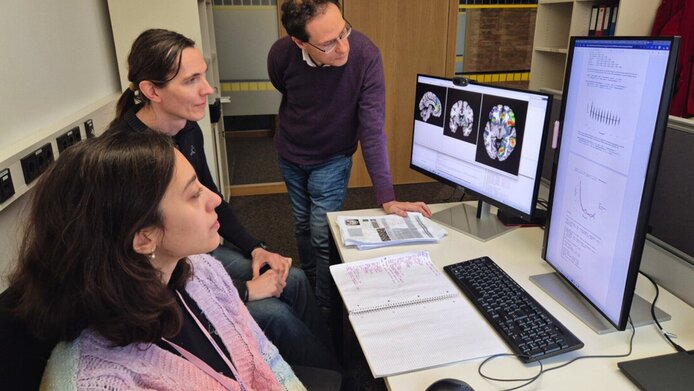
(407, 315)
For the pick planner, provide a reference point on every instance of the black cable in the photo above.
(462, 196)
(663, 332)
(528, 380)
(542, 370)
(543, 203)
(452, 198)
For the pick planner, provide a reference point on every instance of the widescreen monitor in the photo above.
(486, 139)
(617, 93)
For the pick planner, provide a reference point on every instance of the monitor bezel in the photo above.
(538, 170)
(647, 192)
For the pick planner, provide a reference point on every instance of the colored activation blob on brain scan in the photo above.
(429, 105)
(461, 117)
(500, 133)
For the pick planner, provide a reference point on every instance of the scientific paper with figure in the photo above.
(367, 232)
(408, 315)
(607, 135)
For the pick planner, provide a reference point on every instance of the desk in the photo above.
(518, 252)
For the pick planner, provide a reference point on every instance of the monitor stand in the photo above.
(477, 222)
(568, 297)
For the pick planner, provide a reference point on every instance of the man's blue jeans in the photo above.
(291, 322)
(313, 191)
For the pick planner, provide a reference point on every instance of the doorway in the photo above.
(245, 30)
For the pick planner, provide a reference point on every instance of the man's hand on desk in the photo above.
(401, 208)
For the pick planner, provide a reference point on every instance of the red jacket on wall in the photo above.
(676, 17)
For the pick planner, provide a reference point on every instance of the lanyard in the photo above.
(225, 381)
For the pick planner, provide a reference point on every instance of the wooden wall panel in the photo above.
(414, 37)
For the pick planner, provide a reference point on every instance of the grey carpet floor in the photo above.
(252, 160)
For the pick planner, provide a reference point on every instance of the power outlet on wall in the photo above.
(89, 128)
(6, 186)
(28, 158)
(68, 138)
(36, 162)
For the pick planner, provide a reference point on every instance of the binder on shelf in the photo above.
(601, 20)
(606, 21)
(593, 21)
(613, 20)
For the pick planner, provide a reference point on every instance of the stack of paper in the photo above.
(367, 232)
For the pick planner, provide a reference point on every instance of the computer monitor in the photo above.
(616, 98)
(486, 139)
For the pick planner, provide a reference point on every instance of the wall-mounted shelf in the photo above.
(558, 20)
(549, 49)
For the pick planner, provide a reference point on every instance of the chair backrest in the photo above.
(23, 357)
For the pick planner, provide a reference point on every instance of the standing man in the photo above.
(333, 96)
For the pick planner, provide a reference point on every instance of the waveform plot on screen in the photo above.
(603, 116)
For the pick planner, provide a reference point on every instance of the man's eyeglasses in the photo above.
(330, 46)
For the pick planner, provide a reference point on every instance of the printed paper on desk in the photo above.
(367, 232)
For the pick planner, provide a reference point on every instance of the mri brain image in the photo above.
(500, 133)
(429, 105)
(461, 117)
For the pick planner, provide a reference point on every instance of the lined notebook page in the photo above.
(407, 315)
(391, 280)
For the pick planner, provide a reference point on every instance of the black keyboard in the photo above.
(522, 322)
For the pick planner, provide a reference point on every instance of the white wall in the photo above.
(57, 58)
(244, 36)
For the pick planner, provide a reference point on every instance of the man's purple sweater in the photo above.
(325, 111)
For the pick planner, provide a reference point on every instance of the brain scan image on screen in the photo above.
(461, 116)
(429, 105)
(500, 133)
